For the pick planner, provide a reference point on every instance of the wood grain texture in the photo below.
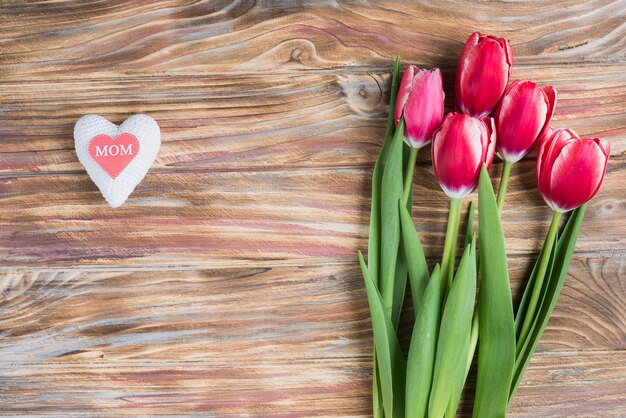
(52, 39)
(283, 313)
(226, 123)
(222, 219)
(227, 285)
(578, 385)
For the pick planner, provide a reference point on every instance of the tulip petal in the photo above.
(457, 154)
(423, 111)
(551, 94)
(605, 146)
(576, 174)
(550, 149)
(490, 142)
(406, 85)
(521, 118)
(482, 75)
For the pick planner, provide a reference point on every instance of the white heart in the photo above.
(143, 127)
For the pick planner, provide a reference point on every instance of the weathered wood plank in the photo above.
(573, 385)
(155, 37)
(224, 219)
(279, 313)
(271, 313)
(230, 123)
(577, 384)
(257, 388)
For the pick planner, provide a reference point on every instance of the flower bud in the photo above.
(460, 146)
(420, 102)
(483, 73)
(570, 169)
(522, 117)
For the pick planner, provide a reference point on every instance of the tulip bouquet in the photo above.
(450, 321)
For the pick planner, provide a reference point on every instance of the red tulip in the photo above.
(460, 146)
(420, 102)
(522, 117)
(570, 169)
(483, 73)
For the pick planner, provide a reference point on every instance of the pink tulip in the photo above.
(420, 102)
(570, 169)
(460, 146)
(483, 73)
(522, 117)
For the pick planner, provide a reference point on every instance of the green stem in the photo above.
(408, 178)
(543, 266)
(449, 247)
(504, 182)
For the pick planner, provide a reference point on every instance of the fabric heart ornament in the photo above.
(117, 158)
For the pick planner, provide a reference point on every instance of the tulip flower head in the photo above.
(570, 169)
(420, 102)
(522, 117)
(483, 74)
(460, 146)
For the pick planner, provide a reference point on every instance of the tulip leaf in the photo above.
(496, 348)
(523, 306)
(555, 277)
(522, 346)
(395, 83)
(520, 318)
(391, 365)
(373, 246)
(416, 260)
(391, 191)
(377, 400)
(402, 261)
(421, 360)
(462, 373)
(373, 257)
(459, 382)
(399, 287)
(455, 326)
(469, 231)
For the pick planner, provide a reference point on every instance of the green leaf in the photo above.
(391, 365)
(523, 355)
(522, 311)
(377, 400)
(523, 306)
(496, 349)
(391, 192)
(395, 82)
(555, 277)
(399, 288)
(519, 320)
(469, 231)
(459, 381)
(454, 331)
(373, 246)
(416, 260)
(421, 359)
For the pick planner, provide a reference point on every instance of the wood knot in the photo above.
(363, 92)
(295, 54)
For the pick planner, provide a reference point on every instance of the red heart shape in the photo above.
(113, 154)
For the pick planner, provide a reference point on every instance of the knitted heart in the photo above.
(117, 158)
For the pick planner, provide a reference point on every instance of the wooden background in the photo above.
(228, 283)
